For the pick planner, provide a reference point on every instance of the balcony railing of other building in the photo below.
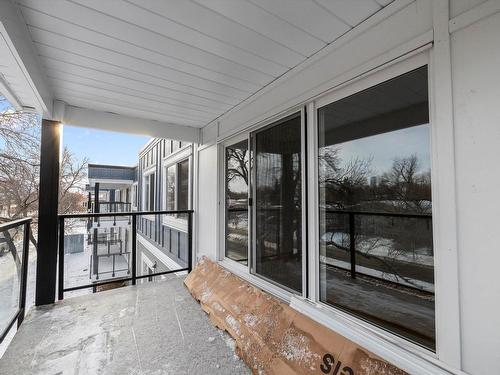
(98, 249)
(107, 207)
(14, 250)
(361, 235)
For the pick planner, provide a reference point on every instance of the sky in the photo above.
(383, 148)
(103, 147)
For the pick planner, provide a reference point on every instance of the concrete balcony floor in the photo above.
(152, 328)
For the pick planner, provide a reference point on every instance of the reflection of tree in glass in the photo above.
(237, 164)
(396, 247)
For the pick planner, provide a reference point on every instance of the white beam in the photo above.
(89, 118)
(19, 46)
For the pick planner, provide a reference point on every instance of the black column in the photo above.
(95, 243)
(46, 266)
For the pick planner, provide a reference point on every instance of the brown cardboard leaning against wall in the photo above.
(273, 338)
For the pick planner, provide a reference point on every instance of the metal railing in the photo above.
(107, 207)
(351, 224)
(22, 268)
(93, 223)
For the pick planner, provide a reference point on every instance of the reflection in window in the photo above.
(376, 252)
(183, 185)
(237, 159)
(149, 192)
(278, 203)
(171, 188)
(177, 187)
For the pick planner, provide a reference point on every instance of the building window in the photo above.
(168, 146)
(170, 204)
(375, 207)
(134, 195)
(149, 192)
(278, 203)
(183, 185)
(175, 146)
(237, 178)
(177, 186)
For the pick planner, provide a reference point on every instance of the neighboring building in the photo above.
(161, 181)
(164, 182)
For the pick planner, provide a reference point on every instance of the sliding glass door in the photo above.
(278, 208)
(375, 207)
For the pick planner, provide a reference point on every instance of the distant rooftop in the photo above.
(111, 172)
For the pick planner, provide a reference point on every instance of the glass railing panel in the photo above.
(13, 273)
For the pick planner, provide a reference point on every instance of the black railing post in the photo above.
(134, 249)
(352, 244)
(60, 280)
(190, 242)
(24, 275)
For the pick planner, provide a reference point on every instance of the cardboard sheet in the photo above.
(273, 338)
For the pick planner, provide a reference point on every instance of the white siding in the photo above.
(207, 202)
(476, 83)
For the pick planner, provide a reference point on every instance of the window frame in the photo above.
(447, 316)
(170, 160)
(222, 205)
(146, 175)
(135, 195)
(362, 83)
(245, 270)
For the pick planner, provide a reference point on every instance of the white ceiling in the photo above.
(180, 61)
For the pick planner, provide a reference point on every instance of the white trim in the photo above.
(134, 195)
(146, 174)
(8, 93)
(312, 203)
(162, 257)
(474, 15)
(179, 154)
(447, 283)
(185, 153)
(148, 262)
(221, 196)
(110, 181)
(242, 272)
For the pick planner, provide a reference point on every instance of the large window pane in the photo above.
(376, 252)
(237, 162)
(278, 203)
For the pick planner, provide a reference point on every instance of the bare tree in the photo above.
(411, 187)
(20, 169)
(237, 164)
